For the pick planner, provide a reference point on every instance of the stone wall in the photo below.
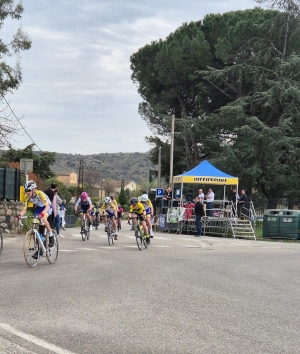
(8, 212)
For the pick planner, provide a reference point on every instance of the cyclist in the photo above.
(97, 218)
(92, 214)
(137, 208)
(149, 212)
(114, 202)
(85, 207)
(120, 214)
(108, 209)
(43, 208)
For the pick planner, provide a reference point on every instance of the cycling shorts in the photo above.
(39, 210)
(92, 213)
(140, 217)
(110, 214)
(148, 211)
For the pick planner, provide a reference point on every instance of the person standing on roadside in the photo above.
(241, 202)
(58, 202)
(201, 196)
(199, 212)
(62, 214)
(210, 197)
(50, 193)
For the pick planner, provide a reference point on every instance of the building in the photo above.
(69, 179)
(114, 187)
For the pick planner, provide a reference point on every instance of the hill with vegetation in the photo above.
(127, 166)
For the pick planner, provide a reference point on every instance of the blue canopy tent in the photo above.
(206, 173)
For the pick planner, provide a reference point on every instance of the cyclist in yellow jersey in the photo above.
(108, 209)
(149, 212)
(43, 208)
(137, 208)
(113, 200)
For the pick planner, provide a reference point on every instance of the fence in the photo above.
(9, 184)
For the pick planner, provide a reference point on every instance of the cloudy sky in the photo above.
(77, 95)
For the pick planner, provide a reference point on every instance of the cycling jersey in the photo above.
(120, 211)
(40, 200)
(138, 209)
(109, 208)
(84, 204)
(148, 205)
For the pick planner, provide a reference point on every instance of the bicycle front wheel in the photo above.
(83, 229)
(139, 240)
(110, 234)
(52, 253)
(30, 247)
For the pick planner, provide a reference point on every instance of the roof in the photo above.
(206, 173)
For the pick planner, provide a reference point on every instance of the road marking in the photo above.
(76, 235)
(160, 246)
(162, 238)
(35, 340)
(109, 247)
(86, 249)
(67, 250)
(130, 246)
(130, 237)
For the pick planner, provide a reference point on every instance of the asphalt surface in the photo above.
(181, 295)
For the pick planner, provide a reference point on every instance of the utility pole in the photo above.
(171, 151)
(80, 178)
(159, 168)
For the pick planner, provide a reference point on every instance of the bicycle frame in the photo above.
(36, 221)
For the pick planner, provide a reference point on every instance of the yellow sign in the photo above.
(206, 180)
(22, 197)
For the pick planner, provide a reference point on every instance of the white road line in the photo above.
(87, 249)
(35, 340)
(162, 238)
(160, 246)
(130, 246)
(67, 250)
(76, 235)
(129, 236)
(109, 247)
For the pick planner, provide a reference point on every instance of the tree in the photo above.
(257, 133)
(122, 197)
(10, 77)
(41, 161)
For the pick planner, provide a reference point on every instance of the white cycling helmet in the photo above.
(29, 186)
(107, 200)
(144, 198)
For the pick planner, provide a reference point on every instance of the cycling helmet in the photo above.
(144, 198)
(84, 195)
(29, 186)
(134, 200)
(107, 200)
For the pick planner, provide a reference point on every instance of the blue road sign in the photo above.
(159, 192)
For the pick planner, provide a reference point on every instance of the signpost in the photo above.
(159, 192)
(26, 165)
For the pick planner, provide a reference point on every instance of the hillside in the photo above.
(118, 166)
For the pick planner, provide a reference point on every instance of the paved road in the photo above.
(182, 295)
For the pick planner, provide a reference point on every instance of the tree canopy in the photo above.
(10, 77)
(232, 81)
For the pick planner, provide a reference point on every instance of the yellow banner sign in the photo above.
(206, 180)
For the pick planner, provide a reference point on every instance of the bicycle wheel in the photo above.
(52, 253)
(119, 225)
(139, 240)
(30, 246)
(110, 234)
(83, 229)
(1, 243)
(88, 233)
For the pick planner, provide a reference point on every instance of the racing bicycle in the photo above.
(85, 229)
(140, 236)
(110, 231)
(37, 240)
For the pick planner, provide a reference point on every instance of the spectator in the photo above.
(168, 196)
(199, 212)
(241, 202)
(58, 202)
(210, 198)
(50, 193)
(62, 214)
(201, 196)
(233, 198)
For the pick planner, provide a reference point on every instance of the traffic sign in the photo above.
(159, 192)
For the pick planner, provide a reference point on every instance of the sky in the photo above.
(77, 95)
